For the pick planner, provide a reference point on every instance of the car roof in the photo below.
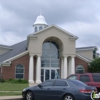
(60, 79)
(86, 74)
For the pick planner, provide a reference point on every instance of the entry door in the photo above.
(49, 74)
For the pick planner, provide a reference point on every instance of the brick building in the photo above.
(49, 52)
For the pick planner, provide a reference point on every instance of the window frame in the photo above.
(19, 73)
(76, 69)
(66, 84)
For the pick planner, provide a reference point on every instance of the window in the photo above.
(50, 54)
(40, 28)
(19, 71)
(79, 69)
(77, 83)
(96, 78)
(73, 77)
(48, 83)
(35, 29)
(84, 78)
(60, 83)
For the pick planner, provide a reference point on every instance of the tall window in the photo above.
(79, 69)
(19, 71)
(50, 61)
(40, 28)
(35, 29)
(50, 54)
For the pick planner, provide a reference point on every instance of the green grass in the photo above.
(10, 93)
(6, 86)
(13, 88)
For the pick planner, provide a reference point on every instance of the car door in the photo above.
(58, 89)
(42, 91)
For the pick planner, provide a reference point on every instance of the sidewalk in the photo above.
(11, 98)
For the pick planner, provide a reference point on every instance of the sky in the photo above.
(79, 17)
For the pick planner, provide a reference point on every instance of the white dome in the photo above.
(40, 20)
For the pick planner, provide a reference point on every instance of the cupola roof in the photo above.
(40, 20)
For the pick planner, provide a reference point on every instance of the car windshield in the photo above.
(78, 83)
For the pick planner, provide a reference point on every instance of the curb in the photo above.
(11, 98)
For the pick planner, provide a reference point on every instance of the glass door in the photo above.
(47, 74)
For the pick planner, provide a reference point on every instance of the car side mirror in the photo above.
(40, 86)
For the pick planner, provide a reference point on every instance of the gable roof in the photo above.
(86, 48)
(83, 58)
(17, 49)
(5, 46)
(55, 26)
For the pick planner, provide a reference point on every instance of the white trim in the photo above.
(87, 48)
(15, 57)
(55, 27)
(5, 47)
(81, 57)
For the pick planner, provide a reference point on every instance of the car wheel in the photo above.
(29, 95)
(68, 97)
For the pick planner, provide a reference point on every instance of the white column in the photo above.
(72, 65)
(62, 67)
(31, 69)
(69, 66)
(65, 67)
(38, 70)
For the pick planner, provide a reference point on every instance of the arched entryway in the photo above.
(50, 60)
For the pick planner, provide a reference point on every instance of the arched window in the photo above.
(50, 61)
(40, 28)
(35, 29)
(19, 71)
(79, 69)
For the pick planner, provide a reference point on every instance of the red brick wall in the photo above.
(9, 71)
(81, 62)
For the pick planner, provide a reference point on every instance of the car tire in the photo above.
(68, 97)
(29, 95)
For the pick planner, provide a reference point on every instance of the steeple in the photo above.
(40, 23)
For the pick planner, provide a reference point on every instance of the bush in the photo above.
(1, 80)
(18, 81)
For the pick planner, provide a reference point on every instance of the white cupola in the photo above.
(40, 23)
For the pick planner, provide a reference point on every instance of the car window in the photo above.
(47, 83)
(60, 83)
(77, 83)
(84, 78)
(96, 78)
(73, 77)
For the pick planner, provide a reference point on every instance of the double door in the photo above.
(47, 73)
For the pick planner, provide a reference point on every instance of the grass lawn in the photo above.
(10, 93)
(14, 88)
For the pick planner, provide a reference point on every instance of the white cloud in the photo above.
(80, 17)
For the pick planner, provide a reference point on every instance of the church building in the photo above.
(49, 52)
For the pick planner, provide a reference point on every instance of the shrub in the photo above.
(18, 81)
(1, 80)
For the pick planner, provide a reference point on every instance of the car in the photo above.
(59, 89)
(92, 79)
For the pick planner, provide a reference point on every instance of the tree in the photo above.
(94, 66)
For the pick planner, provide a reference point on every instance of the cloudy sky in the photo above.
(79, 17)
